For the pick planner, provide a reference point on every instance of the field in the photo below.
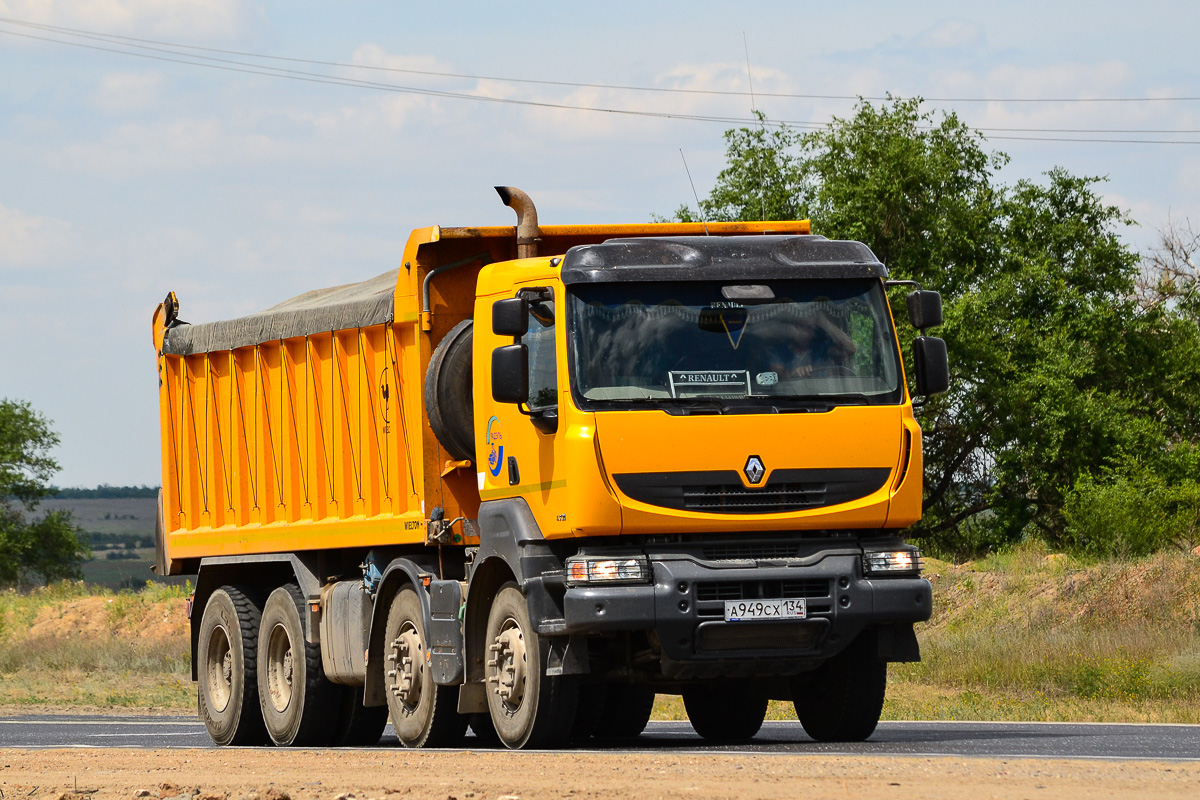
(116, 527)
(1028, 635)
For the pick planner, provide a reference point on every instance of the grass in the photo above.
(1032, 635)
(73, 646)
(1022, 635)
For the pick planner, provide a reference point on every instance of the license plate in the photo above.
(743, 610)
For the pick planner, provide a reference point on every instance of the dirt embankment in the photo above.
(121, 616)
(376, 775)
(64, 650)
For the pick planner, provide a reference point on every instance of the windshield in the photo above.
(763, 343)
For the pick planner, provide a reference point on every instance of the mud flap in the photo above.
(897, 643)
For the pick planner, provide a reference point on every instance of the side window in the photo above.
(543, 358)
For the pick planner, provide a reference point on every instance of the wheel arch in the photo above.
(400, 573)
(507, 532)
(257, 576)
(486, 580)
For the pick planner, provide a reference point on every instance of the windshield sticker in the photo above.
(689, 383)
(766, 378)
(730, 321)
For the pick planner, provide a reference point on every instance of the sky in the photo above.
(124, 176)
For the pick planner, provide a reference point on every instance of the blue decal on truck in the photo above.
(494, 437)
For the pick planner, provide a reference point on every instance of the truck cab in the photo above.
(710, 444)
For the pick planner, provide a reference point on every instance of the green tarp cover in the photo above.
(354, 305)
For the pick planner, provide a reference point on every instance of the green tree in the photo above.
(1062, 380)
(763, 178)
(32, 548)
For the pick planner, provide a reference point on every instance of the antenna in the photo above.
(699, 210)
(762, 189)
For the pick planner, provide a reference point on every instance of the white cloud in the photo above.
(1188, 180)
(372, 55)
(124, 92)
(29, 241)
(179, 145)
(1064, 79)
(191, 18)
(949, 34)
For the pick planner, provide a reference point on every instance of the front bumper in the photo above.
(684, 610)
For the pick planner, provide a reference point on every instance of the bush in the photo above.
(1133, 514)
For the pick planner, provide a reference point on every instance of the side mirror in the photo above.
(510, 317)
(924, 309)
(932, 364)
(510, 372)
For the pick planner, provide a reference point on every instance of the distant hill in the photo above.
(106, 492)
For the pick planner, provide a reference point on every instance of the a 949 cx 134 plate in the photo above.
(744, 610)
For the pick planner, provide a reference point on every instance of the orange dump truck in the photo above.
(539, 474)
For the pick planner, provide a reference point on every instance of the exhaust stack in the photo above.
(527, 221)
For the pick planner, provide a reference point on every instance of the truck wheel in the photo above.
(293, 691)
(732, 711)
(423, 713)
(589, 711)
(627, 709)
(358, 725)
(449, 399)
(227, 689)
(529, 708)
(842, 699)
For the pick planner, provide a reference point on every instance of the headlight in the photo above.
(588, 569)
(892, 562)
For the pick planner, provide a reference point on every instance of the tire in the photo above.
(626, 711)
(298, 703)
(423, 713)
(731, 711)
(842, 699)
(358, 725)
(449, 400)
(226, 669)
(529, 708)
(589, 711)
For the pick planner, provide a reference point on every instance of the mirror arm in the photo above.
(544, 422)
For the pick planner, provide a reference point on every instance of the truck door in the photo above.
(521, 444)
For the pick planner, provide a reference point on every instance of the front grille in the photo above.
(737, 499)
(723, 637)
(727, 551)
(723, 492)
(762, 590)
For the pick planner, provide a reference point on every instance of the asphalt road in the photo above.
(990, 739)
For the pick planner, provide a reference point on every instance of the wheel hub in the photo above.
(281, 668)
(507, 665)
(408, 666)
(220, 670)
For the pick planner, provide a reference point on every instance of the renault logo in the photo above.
(754, 469)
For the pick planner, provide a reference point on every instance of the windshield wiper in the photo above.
(822, 402)
(690, 405)
(848, 398)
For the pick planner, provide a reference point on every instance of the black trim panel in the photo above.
(696, 258)
(722, 491)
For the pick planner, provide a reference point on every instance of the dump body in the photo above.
(639, 459)
(308, 431)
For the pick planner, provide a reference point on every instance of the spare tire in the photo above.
(449, 400)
